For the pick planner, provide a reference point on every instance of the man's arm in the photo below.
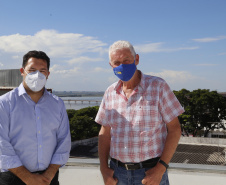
(51, 171)
(173, 137)
(154, 175)
(62, 151)
(103, 151)
(28, 178)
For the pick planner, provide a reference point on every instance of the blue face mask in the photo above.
(125, 71)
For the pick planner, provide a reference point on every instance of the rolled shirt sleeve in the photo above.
(170, 107)
(63, 147)
(102, 113)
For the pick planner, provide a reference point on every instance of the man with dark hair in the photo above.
(38, 55)
(34, 128)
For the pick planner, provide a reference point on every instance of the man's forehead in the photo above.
(122, 50)
(35, 61)
(125, 52)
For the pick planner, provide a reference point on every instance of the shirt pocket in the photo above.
(149, 111)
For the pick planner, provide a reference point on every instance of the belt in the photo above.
(39, 172)
(150, 163)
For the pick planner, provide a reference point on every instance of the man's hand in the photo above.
(29, 178)
(37, 179)
(103, 151)
(107, 174)
(51, 171)
(154, 175)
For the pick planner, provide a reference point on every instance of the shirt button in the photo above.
(39, 132)
(40, 146)
(38, 117)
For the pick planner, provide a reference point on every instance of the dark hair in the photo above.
(36, 54)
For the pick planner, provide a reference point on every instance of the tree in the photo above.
(184, 97)
(82, 123)
(204, 109)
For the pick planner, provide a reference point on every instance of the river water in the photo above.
(81, 102)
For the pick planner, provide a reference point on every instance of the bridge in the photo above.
(81, 101)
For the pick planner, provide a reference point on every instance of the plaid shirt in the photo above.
(138, 124)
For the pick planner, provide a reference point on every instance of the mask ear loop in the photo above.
(26, 71)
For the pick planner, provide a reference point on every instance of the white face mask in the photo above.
(35, 80)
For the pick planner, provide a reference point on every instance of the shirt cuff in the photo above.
(8, 162)
(60, 159)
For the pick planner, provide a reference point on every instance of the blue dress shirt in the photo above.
(33, 135)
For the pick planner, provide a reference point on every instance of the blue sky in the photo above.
(182, 41)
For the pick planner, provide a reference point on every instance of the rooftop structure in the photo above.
(9, 79)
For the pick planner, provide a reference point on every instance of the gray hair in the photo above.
(121, 44)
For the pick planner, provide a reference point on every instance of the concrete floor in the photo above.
(72, 175)
(86, 172)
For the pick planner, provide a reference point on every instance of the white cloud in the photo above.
(83, 59)
(100, 69)
(209, 39)
(205, 64)
(112, 79)
(182, 79)
(16, 57)
(158, 47)
(59, 70)
(224, 53)
(174, 76)
(148, 48)
(1, 64)
(53, 43)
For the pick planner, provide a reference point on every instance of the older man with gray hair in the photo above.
(140, 127)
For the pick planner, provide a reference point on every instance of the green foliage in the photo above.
(203, 109)
(82, 124)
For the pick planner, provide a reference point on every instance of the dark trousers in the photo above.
(8, 178)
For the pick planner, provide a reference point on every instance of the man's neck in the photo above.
(129, 86)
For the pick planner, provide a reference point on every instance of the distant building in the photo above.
(223, 93)
(9, 79)
(218, 133)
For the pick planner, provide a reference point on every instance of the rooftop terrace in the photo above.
(197, 161)
(85, 171)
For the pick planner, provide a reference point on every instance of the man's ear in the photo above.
(137, 57)
(22, 71)
(48, 75)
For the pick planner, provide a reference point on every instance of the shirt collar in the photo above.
(141, 85)
(21, 90)
(142, 81)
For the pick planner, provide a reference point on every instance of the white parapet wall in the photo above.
(183, 140)
(203, 141)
